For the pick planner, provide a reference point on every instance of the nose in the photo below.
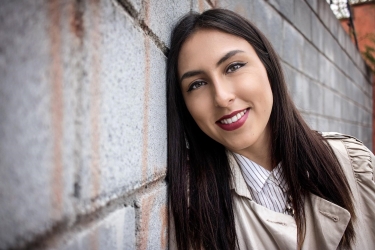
(223, 94)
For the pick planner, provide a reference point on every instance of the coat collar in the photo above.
(325, 221)
(238, 183)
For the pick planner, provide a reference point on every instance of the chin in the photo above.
(236, 147)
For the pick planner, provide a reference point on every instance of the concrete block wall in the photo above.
(83, 117)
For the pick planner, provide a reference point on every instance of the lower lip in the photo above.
(234, 125)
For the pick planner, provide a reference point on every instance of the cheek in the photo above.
(195, 108)
(198, 104)
(269, 97)
(266, 102)
(267, 107)
(201, 112)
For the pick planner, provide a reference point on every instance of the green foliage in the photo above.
(369, 53)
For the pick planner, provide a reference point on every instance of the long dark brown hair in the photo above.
(199, 174)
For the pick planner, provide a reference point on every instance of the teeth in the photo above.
(234, 118)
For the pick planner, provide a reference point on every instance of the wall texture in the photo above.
(83, 117)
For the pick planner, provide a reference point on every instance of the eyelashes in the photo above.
(196, 84)
(233, 67)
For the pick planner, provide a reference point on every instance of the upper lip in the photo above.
(230, 115)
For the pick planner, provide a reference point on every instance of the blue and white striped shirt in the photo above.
(268, 188)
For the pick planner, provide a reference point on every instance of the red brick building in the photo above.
(363, 15)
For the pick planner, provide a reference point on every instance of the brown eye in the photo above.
(235, 66)
(196, 85)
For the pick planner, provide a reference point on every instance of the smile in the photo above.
(234, 120)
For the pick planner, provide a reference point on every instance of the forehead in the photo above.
(207, 46)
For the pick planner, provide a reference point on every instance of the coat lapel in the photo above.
(325, 223)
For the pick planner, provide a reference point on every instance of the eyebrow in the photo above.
(190, 74)
(227, 56)
(223, 59)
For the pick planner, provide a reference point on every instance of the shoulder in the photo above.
(358, 164)
(362, 160)
(351, 143)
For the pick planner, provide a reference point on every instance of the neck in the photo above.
(260, 152)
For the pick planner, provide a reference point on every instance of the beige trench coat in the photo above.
(260, 228)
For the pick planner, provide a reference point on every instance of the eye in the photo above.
(196, 85)
(234, 66)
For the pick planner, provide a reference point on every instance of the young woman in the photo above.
(244, 170)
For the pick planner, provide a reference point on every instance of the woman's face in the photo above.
(226, 89)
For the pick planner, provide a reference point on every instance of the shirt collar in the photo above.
(256, 176)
